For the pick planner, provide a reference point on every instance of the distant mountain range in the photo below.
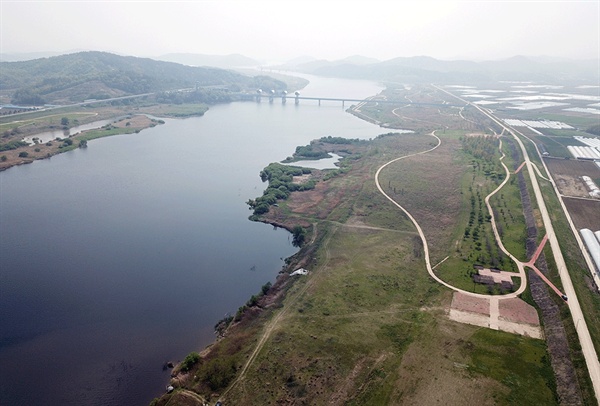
(98, 75)
(85, 75)
(424, 69)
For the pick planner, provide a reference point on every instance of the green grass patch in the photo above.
(518, 362)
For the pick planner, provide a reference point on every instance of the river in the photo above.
(121, 256)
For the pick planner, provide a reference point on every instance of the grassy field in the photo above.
(368, 325)
(370, 330)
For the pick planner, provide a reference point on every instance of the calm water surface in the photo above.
(119, 257)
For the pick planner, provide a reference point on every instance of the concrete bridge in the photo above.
(271, 96)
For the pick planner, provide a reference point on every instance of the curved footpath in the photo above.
(520, 265)
(584, 336)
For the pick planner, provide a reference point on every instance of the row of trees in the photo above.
(208, 96)
(485, 150)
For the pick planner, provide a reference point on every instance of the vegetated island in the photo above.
(354, 318)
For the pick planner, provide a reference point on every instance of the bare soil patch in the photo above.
(585, 213)
(139, 121)
(515, 316)
(572, 167)
(570, 185)
(471, 304)
(518, 311)
(301, 179)
(312, 203)
(499, 277)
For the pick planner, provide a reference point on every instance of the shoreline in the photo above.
(125, 122)
(38, 151)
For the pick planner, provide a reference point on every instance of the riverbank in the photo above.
(148, 235)
(26, 154)
(14, 151)
(366, 323)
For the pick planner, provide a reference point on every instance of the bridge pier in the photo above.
(283, 99)
(319, 102)
(297, 101)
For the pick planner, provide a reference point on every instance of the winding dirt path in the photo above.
(272, 325)
(424, 239)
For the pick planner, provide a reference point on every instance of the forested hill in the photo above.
(97, 75)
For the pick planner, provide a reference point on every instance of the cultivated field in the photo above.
(585, 213)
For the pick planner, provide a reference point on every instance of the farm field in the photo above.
(584, 213)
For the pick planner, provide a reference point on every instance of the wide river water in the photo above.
(119, 257)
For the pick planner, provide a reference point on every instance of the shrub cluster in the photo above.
(252, 302)
(12, 145)
(280, 178)
(339, 140)
(190, 360)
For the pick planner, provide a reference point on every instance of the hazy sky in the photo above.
(282, 30)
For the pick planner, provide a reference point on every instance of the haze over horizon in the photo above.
(280, 31)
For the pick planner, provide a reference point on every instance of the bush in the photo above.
(23, 154)
(261, 209)
(253, 301)
(299, 235)
(12, 145)
(189, 361)
(266, 287)
(218, 373)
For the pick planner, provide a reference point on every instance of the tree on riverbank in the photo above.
(299, 235)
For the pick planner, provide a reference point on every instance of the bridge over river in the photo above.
(284, 97)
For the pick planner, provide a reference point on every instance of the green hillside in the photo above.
(97, 75)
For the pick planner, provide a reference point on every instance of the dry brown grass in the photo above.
(429, 187)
